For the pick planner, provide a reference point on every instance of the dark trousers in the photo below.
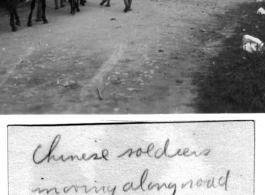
(39, 10)
(128, 3)
(56, 3)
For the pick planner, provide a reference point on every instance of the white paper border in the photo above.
(85, 119)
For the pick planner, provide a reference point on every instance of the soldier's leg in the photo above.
(108, 3)
(43, 6)
(126, 3)
(39, 11)
(12, 18)
(16, 17)
(77, 6)
(103, 2)
(56, 4)
(130, 4)
(62, 3)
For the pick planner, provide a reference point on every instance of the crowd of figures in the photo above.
(11, 6)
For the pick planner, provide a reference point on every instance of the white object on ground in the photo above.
(259, 0)
(252, 44)
(261, 11)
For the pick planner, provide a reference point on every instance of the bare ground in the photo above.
(104, 61)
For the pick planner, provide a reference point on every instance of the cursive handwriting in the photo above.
(158, 153)
(144, 184)
(78, 189)
(148, 186)
(50, 156)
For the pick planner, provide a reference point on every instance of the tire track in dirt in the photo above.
(106, 67)
(12, 67)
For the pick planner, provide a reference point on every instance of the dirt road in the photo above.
(102, 60)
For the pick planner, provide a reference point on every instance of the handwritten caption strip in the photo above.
(201, 158)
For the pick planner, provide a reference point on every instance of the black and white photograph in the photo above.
(132, 56)
(132, 97)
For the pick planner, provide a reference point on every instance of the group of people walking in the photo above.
(127, 3)
(39, 8)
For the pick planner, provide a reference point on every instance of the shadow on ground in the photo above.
(234, 81)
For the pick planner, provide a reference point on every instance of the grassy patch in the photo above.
(234, 81)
